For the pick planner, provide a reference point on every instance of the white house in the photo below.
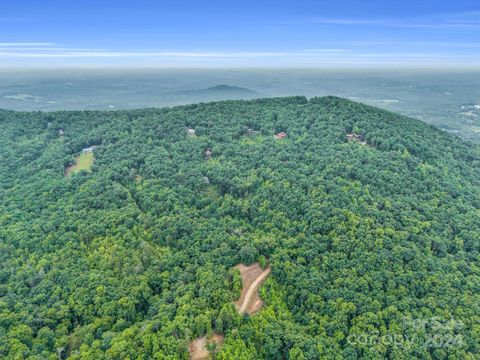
(88, 149)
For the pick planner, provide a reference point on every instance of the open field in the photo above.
(82, 162)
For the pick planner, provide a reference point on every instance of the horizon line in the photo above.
(365, 66)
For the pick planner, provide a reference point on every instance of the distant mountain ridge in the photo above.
(224, 87)
(219, 92)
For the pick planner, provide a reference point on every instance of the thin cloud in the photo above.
(326, 50)
(16, 44)
(50, 49)
(407, 44)
(20, 53)
(446, 24)
(209, 58)
(320, 56)
(457, 21)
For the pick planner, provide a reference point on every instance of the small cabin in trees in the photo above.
(88, 149)
(281, 135)
(357, 138)
(251, 132)
(191, 132)
(61, 132)
(208, 153)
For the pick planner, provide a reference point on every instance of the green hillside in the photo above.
(373, 243)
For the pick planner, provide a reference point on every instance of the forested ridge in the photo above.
(366, 241)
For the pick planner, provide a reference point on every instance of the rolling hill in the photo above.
(367, 219)
(219, 92)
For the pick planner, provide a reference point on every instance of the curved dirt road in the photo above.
(252, 289)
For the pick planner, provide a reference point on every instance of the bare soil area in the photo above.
(253, 277)
(198, 347)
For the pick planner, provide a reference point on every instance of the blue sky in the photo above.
(282, 34)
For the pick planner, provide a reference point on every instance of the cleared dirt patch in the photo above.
(198, 347)
(252, 277)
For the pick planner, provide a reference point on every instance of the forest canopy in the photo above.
(369, 221)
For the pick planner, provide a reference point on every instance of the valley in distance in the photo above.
(448, 99)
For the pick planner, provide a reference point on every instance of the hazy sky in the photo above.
(296, 33)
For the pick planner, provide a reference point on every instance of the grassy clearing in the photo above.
(82, 162)
(252, 140)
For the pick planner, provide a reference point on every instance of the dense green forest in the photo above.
(374, 247)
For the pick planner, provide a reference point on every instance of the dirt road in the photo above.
(252, 293)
